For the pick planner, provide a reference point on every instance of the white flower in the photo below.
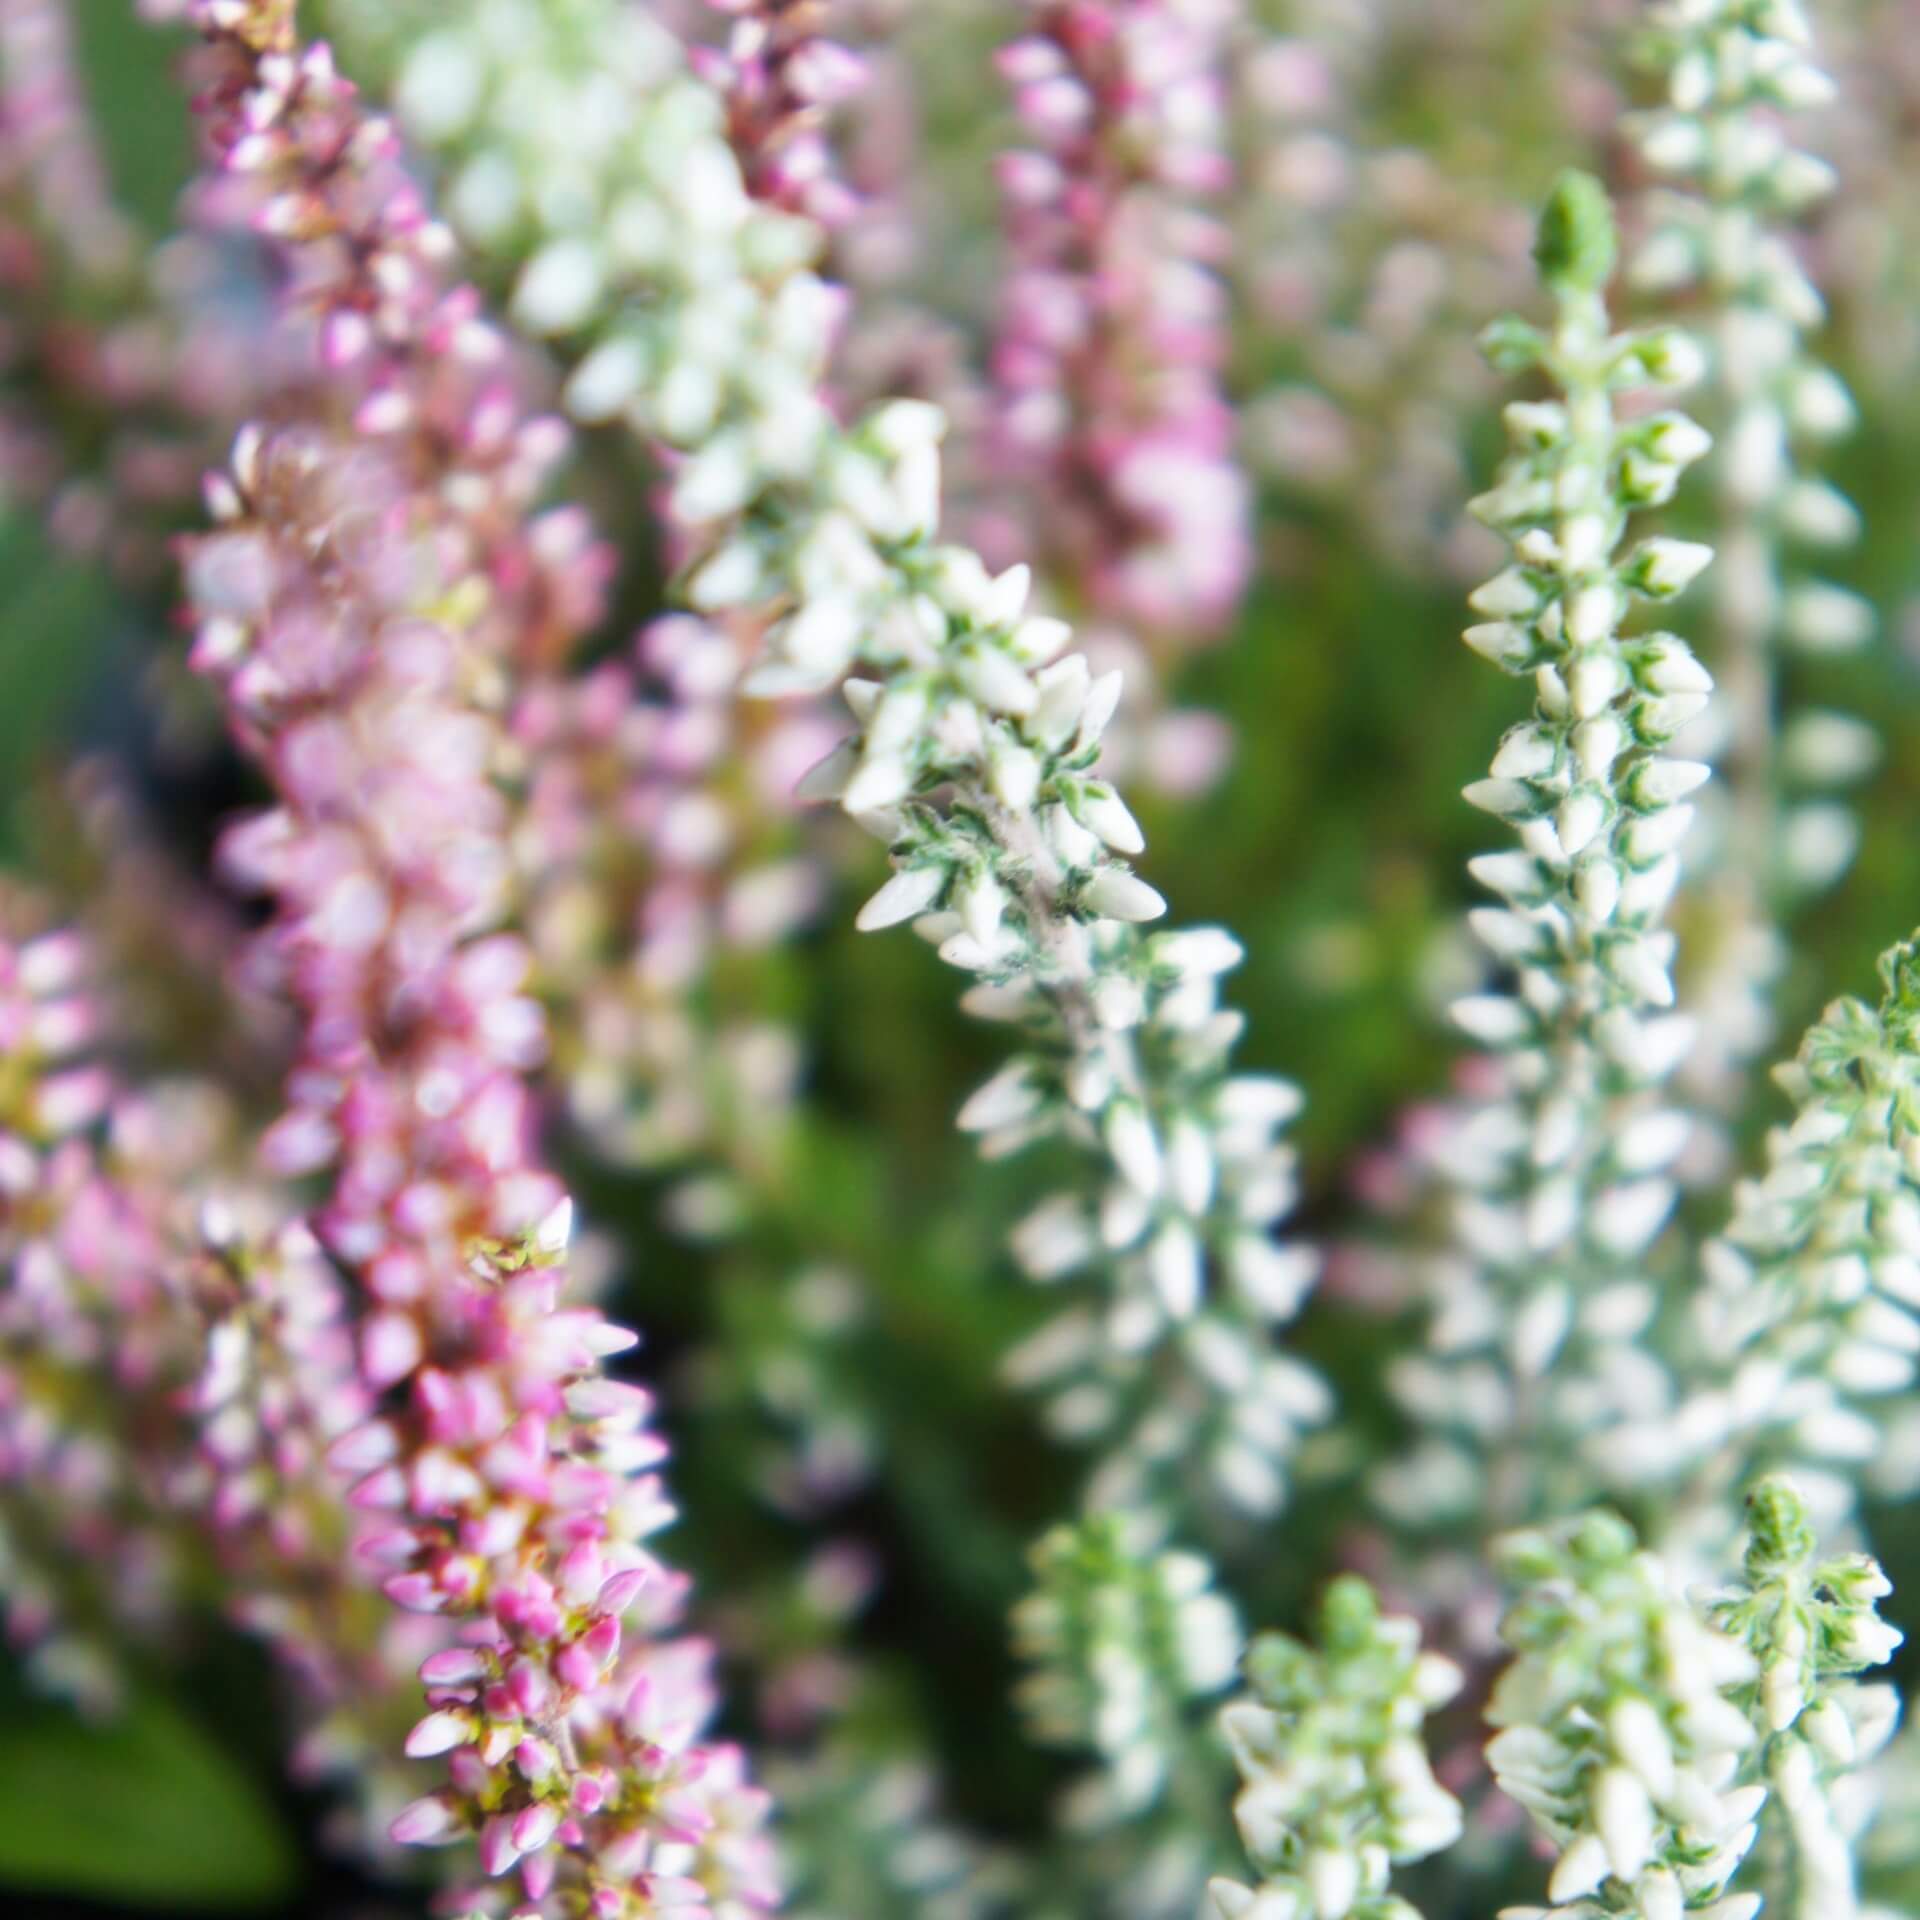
(1119, 895)
(907, 895)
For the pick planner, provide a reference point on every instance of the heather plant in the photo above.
(1563, 1174)
(1736, 80)
(1155, 1431)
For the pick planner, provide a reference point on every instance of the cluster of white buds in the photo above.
(1811, 1624)
(980, 727)
(1621, 1730)
(586, 160)
(1122, 1640)
(1734, 73)
(1805, 1336)
(1563, 1176)
(1337, 1788)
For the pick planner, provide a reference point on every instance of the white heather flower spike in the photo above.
(1121, 1641)
(1801, 1342)
(1335, 1783)
(1559, 1190)
(1735, 76)
(1811, 1625)
(1619, 1728)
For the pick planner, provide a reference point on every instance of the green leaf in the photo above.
(145, 1809)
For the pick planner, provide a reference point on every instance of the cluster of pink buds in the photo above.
(279, 1383)
(1113, 325)
(782, 76)
(164, 1390)
(92, 1341)
(651, 837)
(372, 595)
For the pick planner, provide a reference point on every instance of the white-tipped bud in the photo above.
(560, 286)
(1037, 640)
(1782, 1694)
(996, 680)
(1677, 441)
(1502, 642)
(1190, 1164)
(1673, 143)
(1591, 614)
(1102, 810)
(880, 781)
(1175, 1264)
(981, 902)
(1596, 887)
(1593, 681)
(1013, 774)
(1199, 951)
(902, 426)
(1580, 1870)
(1581, 816)
(1005, 599)
(1116, 894)
(1011, 1096)
(1640, 1739)
(1135, 1146)
(1830, 749)
(1662, 567)
(1103, 702)
(1063, 698)
(1597, 744)
(1526, 753)
(1506, 596)
(1641, 967)
(1623, 1817)
(1119, 1002)
(1820, 404)
(1829, 1730)
(1659, 782)
(1828, 619)
(1054, 1239)
(1672, 357)
(910, 893)
(1333, 1878)
(1669, 666)
(827, 779)
(1493, 1020)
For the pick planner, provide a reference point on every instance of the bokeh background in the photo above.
(1390, 151)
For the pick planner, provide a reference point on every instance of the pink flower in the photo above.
(781, 79)
(97, 1326)
(1113, 328)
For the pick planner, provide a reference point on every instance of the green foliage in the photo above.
(149, 1809)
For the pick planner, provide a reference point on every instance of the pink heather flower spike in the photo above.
(92, 1338)
(174, 1349)
(172, 1364)
(372, 592)
(782, 76)
(1112, 329)
(642, 858)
